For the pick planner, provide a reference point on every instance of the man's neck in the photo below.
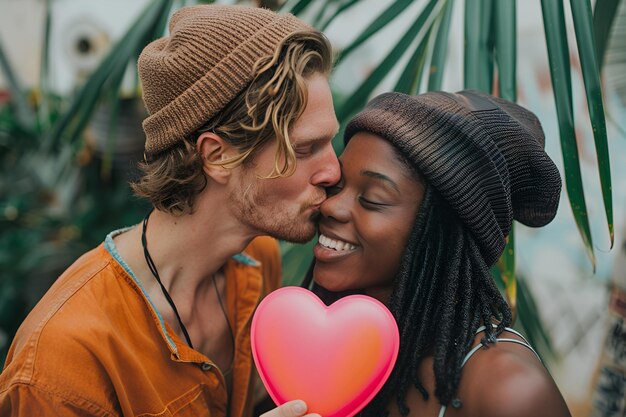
(187, 250)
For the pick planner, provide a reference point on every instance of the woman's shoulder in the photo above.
(507, 379)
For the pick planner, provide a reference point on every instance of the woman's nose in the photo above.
(336, 206)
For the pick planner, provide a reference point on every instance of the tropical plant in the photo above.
(59, 201)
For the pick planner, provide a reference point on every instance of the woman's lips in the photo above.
(330, 249)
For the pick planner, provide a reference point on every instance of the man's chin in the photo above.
(300, 239)
(301, 235)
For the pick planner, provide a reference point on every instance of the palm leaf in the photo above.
(43, 110)
(556, 39)
(409, 80)
(108, 72)
(381, 21)
(531, 322)
(581, 12)
(506, 49)
(440, 49)
(506, 267)
(506, 62)
(345, 6)
(603, 16)
(107, 159)
(320, 13)
(358, 98)
(526, 315)
(478, 68)
(296, 7)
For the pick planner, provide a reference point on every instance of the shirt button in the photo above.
(206, 366)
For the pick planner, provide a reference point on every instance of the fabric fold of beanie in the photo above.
(205, 62)
(484, 155)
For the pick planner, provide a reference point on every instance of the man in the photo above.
(155, 321)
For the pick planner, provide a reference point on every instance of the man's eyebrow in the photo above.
(309, 141)
(380, 177)
(322, 138)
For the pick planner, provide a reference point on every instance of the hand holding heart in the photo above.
(333, 358)
(295, 408)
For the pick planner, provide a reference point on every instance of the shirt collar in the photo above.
(187, 354)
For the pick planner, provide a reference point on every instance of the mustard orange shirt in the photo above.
(95, 346)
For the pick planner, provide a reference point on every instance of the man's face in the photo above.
(286, 207)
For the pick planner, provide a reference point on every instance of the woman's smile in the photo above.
(329, 249)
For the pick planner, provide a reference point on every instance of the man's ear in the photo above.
(213, 150)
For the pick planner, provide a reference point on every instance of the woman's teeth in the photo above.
(337, 245)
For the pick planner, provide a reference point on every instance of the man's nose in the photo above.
(329, 172)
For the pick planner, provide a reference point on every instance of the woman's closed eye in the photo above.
(371, 203)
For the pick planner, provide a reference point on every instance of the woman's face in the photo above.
(367, 219)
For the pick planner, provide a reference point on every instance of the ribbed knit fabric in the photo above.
(190, 75)
(483, 154)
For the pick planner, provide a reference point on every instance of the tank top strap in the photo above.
(476, 348)
(522, 342)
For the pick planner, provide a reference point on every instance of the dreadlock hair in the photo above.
(443, 292)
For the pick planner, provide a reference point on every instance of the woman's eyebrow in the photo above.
(381, 177)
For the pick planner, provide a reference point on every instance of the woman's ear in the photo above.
(213, 150)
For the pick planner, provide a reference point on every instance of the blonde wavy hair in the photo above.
(263, 112)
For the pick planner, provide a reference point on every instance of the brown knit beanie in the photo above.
(205, 62)
(483, 154)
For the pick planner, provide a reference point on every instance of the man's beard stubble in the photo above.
(255, 210)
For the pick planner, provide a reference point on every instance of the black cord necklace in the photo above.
(154, 271)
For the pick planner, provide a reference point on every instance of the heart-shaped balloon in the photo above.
(334, 358)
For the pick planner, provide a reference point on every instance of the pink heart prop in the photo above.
(334, 358)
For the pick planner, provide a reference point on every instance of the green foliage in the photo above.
(581, 12)
(556, 38)
(603, 18)
(58, 197)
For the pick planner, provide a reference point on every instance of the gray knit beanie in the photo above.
(484, 155)
(205, 62)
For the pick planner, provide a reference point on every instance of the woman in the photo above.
(429, 189)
